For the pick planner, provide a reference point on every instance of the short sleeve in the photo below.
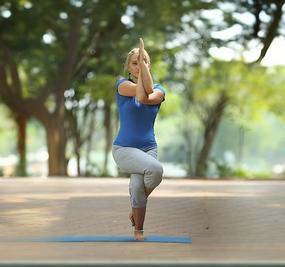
(119, 82)
(160, 87)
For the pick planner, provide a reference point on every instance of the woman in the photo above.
(135, 149)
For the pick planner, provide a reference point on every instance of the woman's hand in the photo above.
(142, 54)
(141, 50)
(145, 78)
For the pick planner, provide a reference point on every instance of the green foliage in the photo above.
(101, 86)
(36, 139)
(171, 106)
(228, 172)
(8, 133)
(276, 90)
(251, 90)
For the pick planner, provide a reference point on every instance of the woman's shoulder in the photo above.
(120, 80)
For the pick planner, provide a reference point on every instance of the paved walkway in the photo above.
(229, 221)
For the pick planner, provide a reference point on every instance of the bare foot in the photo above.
(138, 235)
(131, 217)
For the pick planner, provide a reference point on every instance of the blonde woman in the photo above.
(135, 148)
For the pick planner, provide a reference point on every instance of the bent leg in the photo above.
(157, 178)
(135, 161)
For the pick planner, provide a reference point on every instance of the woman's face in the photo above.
(134, 65)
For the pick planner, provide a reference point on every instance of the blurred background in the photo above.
(221, 63)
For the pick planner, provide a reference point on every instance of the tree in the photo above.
(233, 89)
(263, 30)
(71, 40)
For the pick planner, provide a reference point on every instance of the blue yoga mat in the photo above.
(149, 239)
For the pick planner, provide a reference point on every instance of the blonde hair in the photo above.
(132, 52)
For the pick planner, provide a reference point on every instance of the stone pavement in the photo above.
(229, 221)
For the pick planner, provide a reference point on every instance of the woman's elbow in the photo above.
(149, 90)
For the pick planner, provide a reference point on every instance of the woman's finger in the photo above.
(141, 44)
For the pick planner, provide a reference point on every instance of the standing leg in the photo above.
(139, 216)
(139, 194)
(138, 201)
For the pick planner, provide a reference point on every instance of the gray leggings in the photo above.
(145, 170)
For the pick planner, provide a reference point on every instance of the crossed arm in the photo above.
(143, 90)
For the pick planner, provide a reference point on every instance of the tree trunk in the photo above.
(56, 148)
(88, 167)
(108, 135)
(211, 127)
(21, 145)
(77, 152)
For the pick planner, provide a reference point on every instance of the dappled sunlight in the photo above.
(276, 205)
(177, 194)
(81, 206)
(13, 200)
(29, 212)
(21, 198)
(28, 219)
(157, 193)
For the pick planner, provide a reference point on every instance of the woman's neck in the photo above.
(133, 78)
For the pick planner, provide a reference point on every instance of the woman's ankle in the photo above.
(138, 234)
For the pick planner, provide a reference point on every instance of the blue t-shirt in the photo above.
(136, 120)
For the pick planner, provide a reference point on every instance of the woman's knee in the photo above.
(154, 177)
(157, 173)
